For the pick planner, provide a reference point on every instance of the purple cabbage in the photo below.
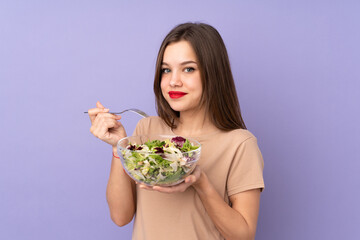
(159, 150)
(178, 141)
(133, 147)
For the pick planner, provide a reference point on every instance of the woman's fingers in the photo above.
(104, 115)
(99, 105)
(105, 125)
(190, 179)
(107, 128)
(143, 186)
(177, 188)
(102, 124)
(102, 118)
(93, 112)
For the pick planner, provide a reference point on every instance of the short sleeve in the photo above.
(246, 169)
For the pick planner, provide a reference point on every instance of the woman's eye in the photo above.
(189, 69)
(165, 70)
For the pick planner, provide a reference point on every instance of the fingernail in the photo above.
(106, 109)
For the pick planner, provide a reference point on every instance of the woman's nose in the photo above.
(175, 80)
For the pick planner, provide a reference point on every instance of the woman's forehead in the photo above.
(179, 52)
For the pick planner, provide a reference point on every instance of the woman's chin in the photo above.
(177, 108)
(183, 107)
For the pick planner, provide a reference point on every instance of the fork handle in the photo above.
(113, 112)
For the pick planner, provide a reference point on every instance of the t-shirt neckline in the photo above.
(197, 137)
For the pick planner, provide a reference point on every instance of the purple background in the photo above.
(296, 66)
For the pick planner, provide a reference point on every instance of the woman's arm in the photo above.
(236, 222)
(120, 194)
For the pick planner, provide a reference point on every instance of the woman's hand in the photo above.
(191, 180)
(105, 125)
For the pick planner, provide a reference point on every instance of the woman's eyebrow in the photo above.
(183, 63)
(187, 62)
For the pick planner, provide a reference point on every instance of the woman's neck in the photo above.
(194, 123)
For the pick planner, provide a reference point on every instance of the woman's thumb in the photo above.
(99, 105)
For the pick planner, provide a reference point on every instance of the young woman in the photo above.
(195, 97)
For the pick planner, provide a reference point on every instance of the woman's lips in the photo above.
(176, 94)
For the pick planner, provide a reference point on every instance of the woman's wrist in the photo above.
(114, 152)
(202, 185)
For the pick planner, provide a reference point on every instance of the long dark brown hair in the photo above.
(219, 94)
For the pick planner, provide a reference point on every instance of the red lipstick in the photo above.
(176, 94)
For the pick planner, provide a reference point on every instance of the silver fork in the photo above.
(134, 110)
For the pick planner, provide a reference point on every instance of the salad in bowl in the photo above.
(160, 160)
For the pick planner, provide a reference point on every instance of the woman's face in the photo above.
(180, 79)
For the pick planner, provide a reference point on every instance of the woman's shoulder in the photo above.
(239, 135)
(240, 140)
